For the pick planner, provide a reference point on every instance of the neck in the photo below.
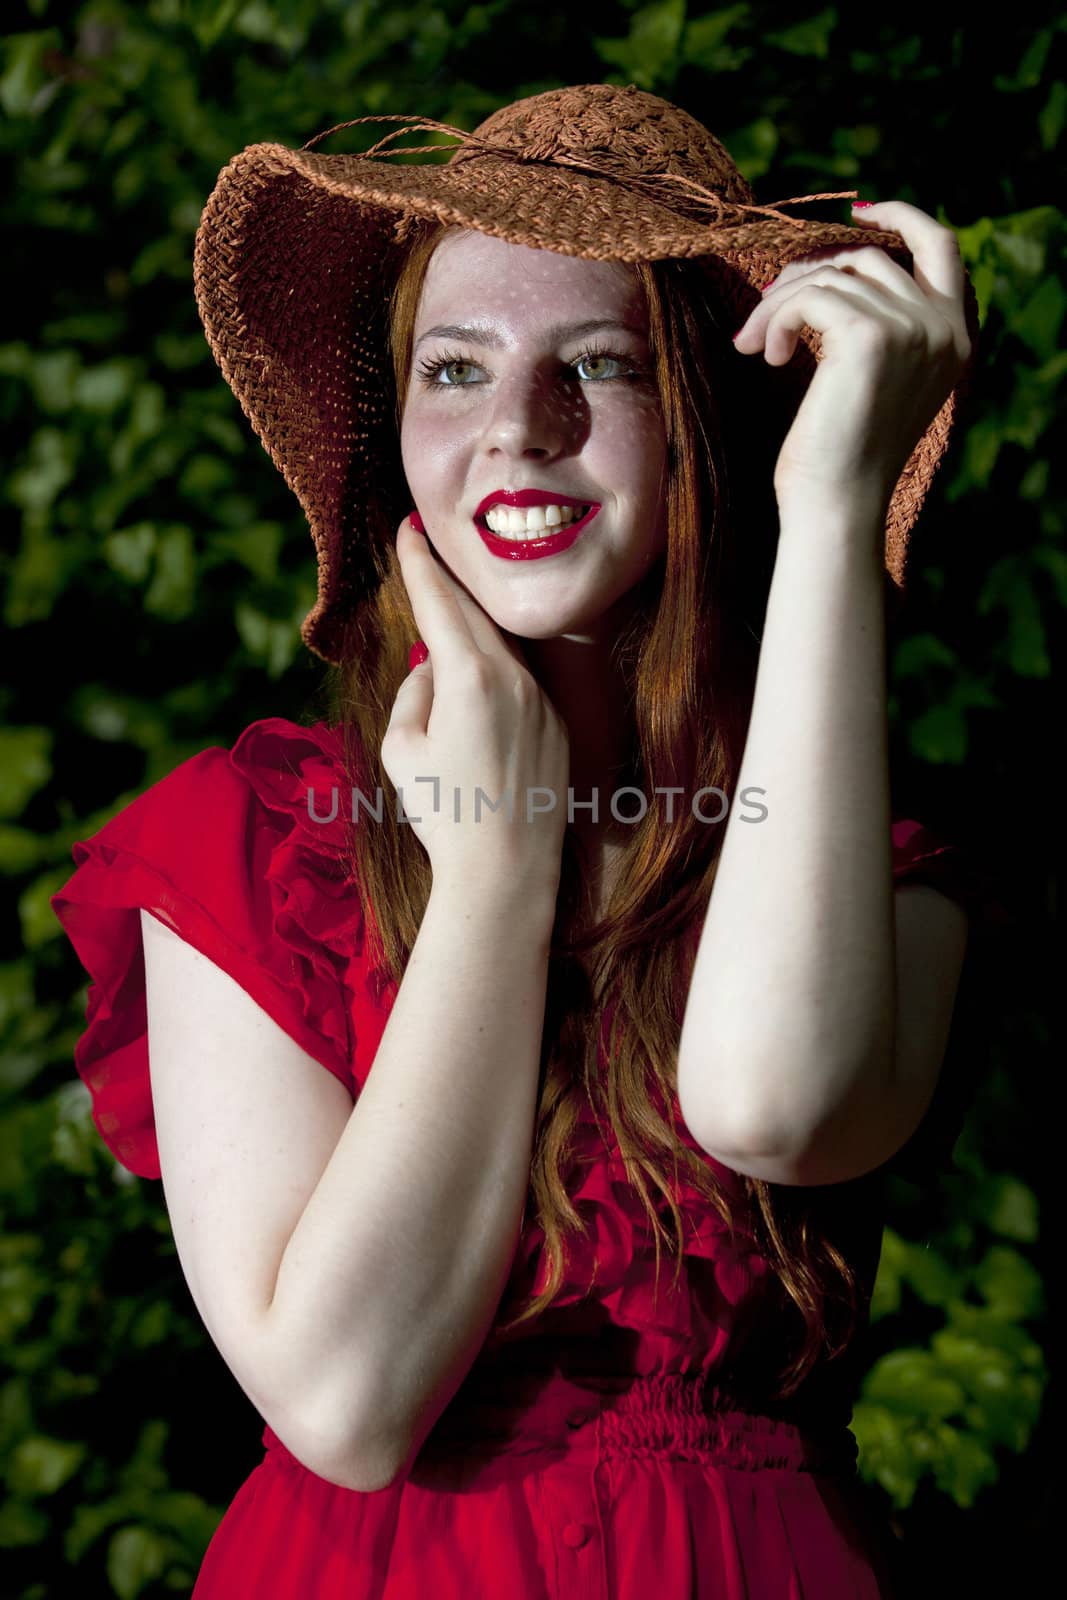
(590, 691)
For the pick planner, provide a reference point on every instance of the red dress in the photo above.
(618, 1449)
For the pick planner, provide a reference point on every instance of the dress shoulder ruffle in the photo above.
(225, 851)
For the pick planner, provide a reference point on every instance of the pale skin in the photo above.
(805, 940)
(526, 417)
(816, 1022)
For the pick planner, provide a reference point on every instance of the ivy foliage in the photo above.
(157, 569)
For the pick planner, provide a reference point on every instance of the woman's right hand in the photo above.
(473, 717)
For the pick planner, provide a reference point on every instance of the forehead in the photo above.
(477, 273)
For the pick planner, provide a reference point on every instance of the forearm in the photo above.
(390, 1280)
(789, 1019)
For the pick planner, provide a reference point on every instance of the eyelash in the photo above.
(428, 370)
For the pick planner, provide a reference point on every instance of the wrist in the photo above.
(855, 522)
(505, 898)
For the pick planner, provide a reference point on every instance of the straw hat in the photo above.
(296, 254)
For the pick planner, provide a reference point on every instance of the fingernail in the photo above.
(418, 653)
(766, 286)
(857, 205)
(416, 521)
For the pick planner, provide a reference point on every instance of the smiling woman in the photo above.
(435, 1267)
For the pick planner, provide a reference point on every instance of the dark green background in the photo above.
(156, 570)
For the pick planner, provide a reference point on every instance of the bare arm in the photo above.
(392, 1276)
(819, 1007)
(789, 1021)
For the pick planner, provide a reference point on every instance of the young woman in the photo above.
(598, 915)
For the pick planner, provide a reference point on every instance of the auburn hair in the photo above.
(690, 654)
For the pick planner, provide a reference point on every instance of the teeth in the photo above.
(514, 522)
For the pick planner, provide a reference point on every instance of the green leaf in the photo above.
(1011, 1285)
(1004, 1402)
(136, 1557)
(102, 389)
(23, 76)
(205, 476)
(911, 1381)
(211, 20)
(886, 1456)
(21, 850)
(172, 592)
(25, 766)
(16, 991)
(21, 1525)
(966, 1464)
(118, 718)
(274, 641)
(53, 378)
(40, 1465)
(981, 450)
(1053, 115)
(1038, 320)
(650, 48)
(257, 547)
(933, 1278)
(1055, 562)
(810, 37)
(49, 467)
(1009, 588)
(129, 551)
(705, 45)
(939, 735)
(917, 655)
(1013, 1209)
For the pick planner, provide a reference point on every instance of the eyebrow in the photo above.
(479, 333)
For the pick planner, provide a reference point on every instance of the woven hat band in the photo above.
(722, 208)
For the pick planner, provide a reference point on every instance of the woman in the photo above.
(434, 1268)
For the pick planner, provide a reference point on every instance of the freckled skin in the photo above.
(522, 416)
(532, 415)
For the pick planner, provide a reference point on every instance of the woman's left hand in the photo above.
(893, 349)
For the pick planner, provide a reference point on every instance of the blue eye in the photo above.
(429, 371)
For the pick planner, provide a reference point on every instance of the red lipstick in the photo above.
(530, 549)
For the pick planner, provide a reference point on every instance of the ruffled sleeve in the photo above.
(227, 851)
(921, 856)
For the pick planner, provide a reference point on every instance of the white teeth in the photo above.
(514, 522)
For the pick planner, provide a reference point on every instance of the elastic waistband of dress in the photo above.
(667, 1415)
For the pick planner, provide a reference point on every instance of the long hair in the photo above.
(689, 654)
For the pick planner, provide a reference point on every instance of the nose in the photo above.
(531, 414)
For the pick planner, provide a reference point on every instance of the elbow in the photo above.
(728, 1134)
(806, 1102)
(366, 1469)
(364, 1459)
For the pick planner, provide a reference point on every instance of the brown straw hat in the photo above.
(297, 252)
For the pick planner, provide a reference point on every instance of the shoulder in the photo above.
(223, 851)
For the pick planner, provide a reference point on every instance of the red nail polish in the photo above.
(858, 205)
(417, 655)
(416, 521)
(766, 286)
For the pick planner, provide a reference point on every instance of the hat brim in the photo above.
(295, 250)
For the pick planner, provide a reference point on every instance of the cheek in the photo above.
(428, 445)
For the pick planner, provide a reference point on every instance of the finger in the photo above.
(868, 261)
(776, 322)
(444, 624)
(935, 251)
(470, 624)
(413, 701)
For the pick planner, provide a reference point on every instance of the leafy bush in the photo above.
(157, 571)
